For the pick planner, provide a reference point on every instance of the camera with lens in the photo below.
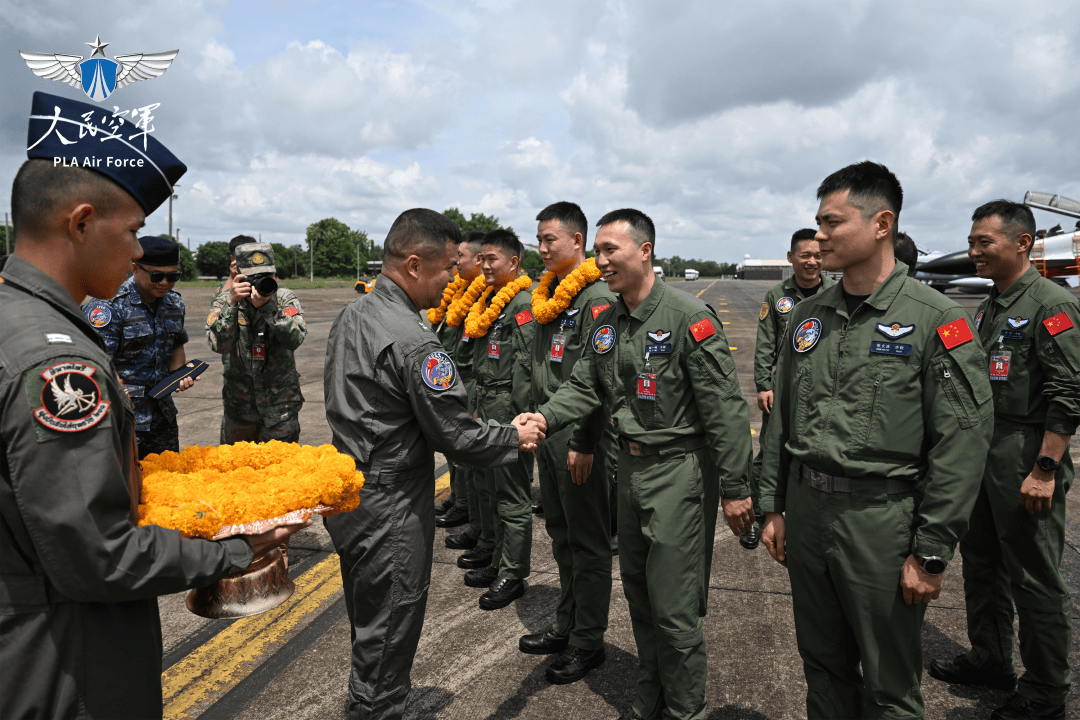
(264, 283)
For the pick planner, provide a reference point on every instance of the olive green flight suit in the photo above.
(678, 453)
(578, 517)
(450, 337)
(776, 308)
(502, 393)
(1009, 554)
(877, 400)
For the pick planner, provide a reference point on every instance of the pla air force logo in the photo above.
(895, 330)
(71, 398)
(98, 76)
(807, 335)
(659, 336)
(1018, 322)
(438, 371)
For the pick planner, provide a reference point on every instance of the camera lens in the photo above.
(265, 284)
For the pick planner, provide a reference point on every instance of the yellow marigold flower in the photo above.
(453, 291)
(544, 309)
(459, 308)
(480, 318)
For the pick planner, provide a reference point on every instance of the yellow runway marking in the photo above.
(732, 347)
(723, 311)
(442, 487)
(217, 666)
(706, 288)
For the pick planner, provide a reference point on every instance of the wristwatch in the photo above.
(1047, 463)
(933, 565)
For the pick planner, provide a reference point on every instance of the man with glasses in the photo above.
(143, 331)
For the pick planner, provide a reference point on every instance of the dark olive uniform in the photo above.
(578, 517)
(392, 396)
(450, 337)
(501, 369)
(871, 407)
(80, 634)
(684, 440)
(1012, 556)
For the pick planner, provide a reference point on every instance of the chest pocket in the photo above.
(650, 413)
(138, 336)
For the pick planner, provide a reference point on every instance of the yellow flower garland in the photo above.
(545, 310)
(480, 318)
(454, 290)
(202, 489)
(455, 315)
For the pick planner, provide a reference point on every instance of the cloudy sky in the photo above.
(718, 119)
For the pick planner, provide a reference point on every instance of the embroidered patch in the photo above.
(603, 339)
(784, 305)
(890, 348)
(571, 312)
(661, 349)
(955, 333)
(1017, 322)
(242, 318)
(438, 371)
(1059, 323)
(1012, 334)
(702, 329)
(71, 398)
(100, 316)
(895, 330)
(597, 309)
(978, 319)
(212, 317)
(659, 336)
(525, 316)
(54, 338)
(764, 311)
(292, 311)
(807, 335)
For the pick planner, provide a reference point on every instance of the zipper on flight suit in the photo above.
(873, 405)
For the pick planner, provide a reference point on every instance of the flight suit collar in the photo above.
(643, 311)
(26, 277)
(390, 289)
(792, 287)
(880, 299)
(1014, 291)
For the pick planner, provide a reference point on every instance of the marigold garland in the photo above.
(202, 489)
(545, 310)
(454, 290)
(480, 318)
(458, 309)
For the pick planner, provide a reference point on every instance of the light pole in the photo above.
(171, 198)
(358, 262)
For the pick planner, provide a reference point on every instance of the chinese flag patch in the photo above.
(955, 333)
(523, 317)
(1059, 323)
(597, 309)
(702, 329)
(291, 311)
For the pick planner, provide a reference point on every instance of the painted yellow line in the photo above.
(723, 303)
(723, 311)
(732, 347)
(706, 288)
(209, 672)
(442, 483)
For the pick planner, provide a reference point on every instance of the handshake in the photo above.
(531, 428)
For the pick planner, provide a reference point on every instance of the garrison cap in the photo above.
(255, 258)
(91, 137)
(158, 251)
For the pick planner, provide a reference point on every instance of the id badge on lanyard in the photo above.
(999, 362)
(647, 385)
(558, 344)
(258, 348)
(493, 343)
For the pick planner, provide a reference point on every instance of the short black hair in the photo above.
(905, 251)
(801, 236)
(1016, 218)
(238, 241)
(641, 230)
(507, 240)
(569, 216)
(40, 188)
(474, 239)
(421, 232)
(871, 188)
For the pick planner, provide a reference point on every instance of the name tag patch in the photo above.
(54, 338)
(1012, 334)
(661, 349)
(890, 348)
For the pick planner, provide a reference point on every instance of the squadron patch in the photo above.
(1059, 323)
(1017, 322)
(71, 398)
(764, 311)
(978, 319)
(292, 311)
(806, 335)
(438, 371)
(895, 330)
(212, 317)
(597, 309)
(603, 339)
(784, 305)
(100, 316)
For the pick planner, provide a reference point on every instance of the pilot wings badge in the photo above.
(895, 330)
(1018, 322)
(98, 76)
(660, 336)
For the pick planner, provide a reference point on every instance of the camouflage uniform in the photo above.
(141, 340)
(261, 393)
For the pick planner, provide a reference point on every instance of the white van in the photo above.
(659, 271)
(692, 274)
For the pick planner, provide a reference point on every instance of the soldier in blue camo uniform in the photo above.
(143, 330)
(257, 335)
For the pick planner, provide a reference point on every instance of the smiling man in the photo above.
(880, 425)
(659, 364)
(1012, 550)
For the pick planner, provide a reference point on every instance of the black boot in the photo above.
(460, 541)
(545, 643)
(501, 593)
(482, 578)
(958, 671)
(1019, 707)
(452, 518)
(478, 557)
(443, 507)
(574, 664)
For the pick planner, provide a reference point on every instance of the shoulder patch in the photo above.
(71, 398)
(438, 371)
(955, 333)
(702, 329)
(212, 317)
(784, 305)
(978, 319)
(603, 339)
(806, 336)
(292, 311)
(597, 309)
(1059, 323)
(764, 311)
(55, 338)
(525, 316)
(100, 316)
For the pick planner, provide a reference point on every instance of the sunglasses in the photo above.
(156, 277)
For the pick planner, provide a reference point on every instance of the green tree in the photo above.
(336, 247)
(6, 243)
(476, 221)
(283, 260)
(188, 269)
(532, 261)
(212, 258)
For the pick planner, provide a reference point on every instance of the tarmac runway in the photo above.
(294, 662)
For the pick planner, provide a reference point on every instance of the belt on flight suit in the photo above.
(639, 449)
(826, 483)
(482, 390)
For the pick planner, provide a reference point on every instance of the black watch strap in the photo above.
(1047, 463)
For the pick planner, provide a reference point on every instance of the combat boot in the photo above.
(482, 578)
(958, 671)
(501, 593)
(574, 664)
(478, 557)
(1019, 707)
(452, 518)
(545, 643)
(460, 541)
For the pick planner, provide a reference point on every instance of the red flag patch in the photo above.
(291, 311)
(702, 329)
(523, 317)
(597, 309)
(955, 333)
(1059, 323)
